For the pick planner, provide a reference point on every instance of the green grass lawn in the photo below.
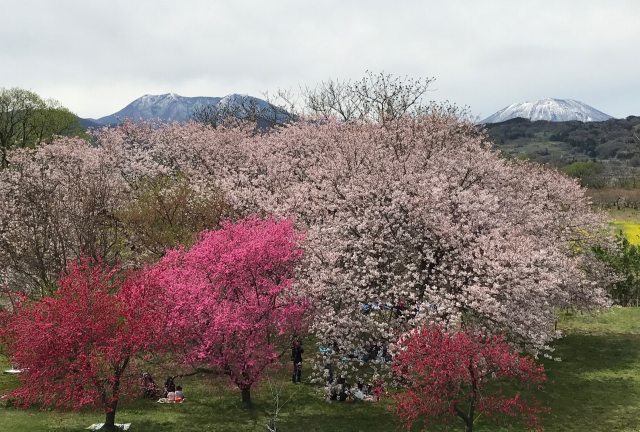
(596, 387)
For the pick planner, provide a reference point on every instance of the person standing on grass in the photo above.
(296, 358)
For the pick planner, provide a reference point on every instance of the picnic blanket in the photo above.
(97, 426)
(165, 400)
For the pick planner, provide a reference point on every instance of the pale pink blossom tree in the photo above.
(57, 203)
(123, 199)
(420, 221)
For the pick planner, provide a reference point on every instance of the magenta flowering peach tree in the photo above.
(232, 299)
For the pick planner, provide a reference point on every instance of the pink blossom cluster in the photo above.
(231, 297)
(75, 347)
(463, 375)
(420, 221)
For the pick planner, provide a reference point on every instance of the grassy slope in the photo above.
(595, 387)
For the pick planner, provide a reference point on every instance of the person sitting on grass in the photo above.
(149, 388)
(179, 394)
(169, 386)
(176, 396)
(171, 397)
(360, 393)
(339, 390)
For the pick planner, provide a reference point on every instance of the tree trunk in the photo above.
(246, 396)
(110, 417)
(468, 425)
(468, 421)
(110, 420)
(472, 400)
(3, 158)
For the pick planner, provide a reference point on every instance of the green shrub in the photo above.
(624, 259)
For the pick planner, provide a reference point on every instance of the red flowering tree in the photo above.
(464, 375)
(232, 296)
(75, 347)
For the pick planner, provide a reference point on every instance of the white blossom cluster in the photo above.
(421, 222)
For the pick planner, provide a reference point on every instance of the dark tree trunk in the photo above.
(110, 415)
(468, 427)
(246, 396)
(468, 419)
(3, 159)
(110, 421)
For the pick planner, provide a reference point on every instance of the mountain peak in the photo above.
(167, 107)
(171, 107)
(549, 109)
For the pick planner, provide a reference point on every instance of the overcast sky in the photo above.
(97, 56)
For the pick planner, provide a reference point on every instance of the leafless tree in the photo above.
(241, 109)
(280, 399)
(375, 97)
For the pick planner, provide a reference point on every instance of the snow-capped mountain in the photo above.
(166, 107)
(172, 107)
(555, 110)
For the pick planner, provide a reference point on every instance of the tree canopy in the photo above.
(27, 120)
(233, 303)
(409, 219)
(76, 346)
(463, 375)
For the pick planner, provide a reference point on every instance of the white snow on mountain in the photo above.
(166, 107)
(171, 107)
(555, 110)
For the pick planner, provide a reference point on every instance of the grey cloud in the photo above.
(96, 56)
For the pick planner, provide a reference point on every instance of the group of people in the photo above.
(173, 393)
(170, 394)
(342, 391)
(339, 390)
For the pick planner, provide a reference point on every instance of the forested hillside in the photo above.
(561, 143)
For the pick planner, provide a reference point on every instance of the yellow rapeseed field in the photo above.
(630, 229)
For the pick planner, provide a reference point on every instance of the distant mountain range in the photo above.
(554, 110)
(171, 107)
